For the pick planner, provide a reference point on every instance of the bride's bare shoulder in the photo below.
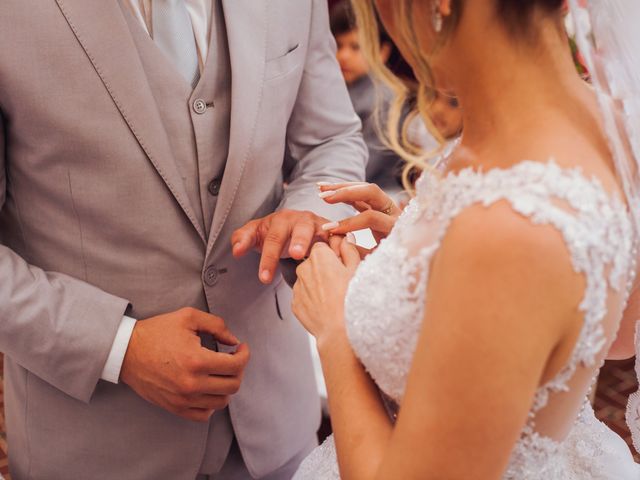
(498, 251)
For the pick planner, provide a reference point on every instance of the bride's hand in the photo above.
(319, 293)
(378, 211)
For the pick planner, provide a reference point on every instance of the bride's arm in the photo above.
(359, 420)
(500, 319)
(497, 307)
(360, 423)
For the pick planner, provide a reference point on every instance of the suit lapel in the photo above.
(102, 31)
(246, 23)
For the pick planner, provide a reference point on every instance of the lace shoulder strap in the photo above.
(595, 226)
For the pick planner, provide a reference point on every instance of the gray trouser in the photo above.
(235, 469)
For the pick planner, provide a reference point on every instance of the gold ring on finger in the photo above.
(388, 209)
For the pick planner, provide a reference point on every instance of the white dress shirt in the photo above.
(200, 12)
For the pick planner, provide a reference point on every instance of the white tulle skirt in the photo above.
(591, 452)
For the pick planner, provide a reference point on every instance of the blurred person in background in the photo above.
(446, 114)
(384, 167)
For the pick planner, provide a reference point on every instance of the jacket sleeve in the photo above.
(324, 133)
(57, 327)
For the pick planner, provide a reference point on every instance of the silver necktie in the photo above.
(173, 33)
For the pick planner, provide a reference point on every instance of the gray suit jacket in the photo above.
(95, 221)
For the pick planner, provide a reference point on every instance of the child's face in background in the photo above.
(446, 114)
(350, 57)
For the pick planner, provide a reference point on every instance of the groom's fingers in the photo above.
(302, 235)
(212, 393)
(200, 321)
(209, 402)
(208, 392)
(196, 414)
(225, 364)
(245, 238)
(273, 244)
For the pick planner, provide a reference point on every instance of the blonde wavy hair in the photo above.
(516, 16)
(395, 128)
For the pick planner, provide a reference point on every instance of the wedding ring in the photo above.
(388, 209)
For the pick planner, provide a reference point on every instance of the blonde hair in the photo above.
(395, 129)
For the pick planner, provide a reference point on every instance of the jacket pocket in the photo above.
(281, 66)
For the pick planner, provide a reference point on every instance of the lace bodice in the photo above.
(385, 303)
(385, 308)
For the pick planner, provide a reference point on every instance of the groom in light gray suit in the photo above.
(136, 136)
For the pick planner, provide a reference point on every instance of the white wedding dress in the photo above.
(386, 301)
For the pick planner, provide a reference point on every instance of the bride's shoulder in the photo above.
(497, 231)
(510, 256)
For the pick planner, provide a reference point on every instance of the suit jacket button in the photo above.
(214, 187)
(211, 276)
(199, 106)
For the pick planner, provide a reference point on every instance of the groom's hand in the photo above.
(283, 234)
(166, 364)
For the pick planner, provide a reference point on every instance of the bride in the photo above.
(465, 346)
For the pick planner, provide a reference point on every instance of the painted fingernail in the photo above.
(351, 238)
(327, 194)
(330, 226)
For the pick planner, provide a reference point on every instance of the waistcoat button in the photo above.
(199, 106)
(214, 187)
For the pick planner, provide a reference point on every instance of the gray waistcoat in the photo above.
(197, 123)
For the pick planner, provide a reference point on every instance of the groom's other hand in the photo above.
(283, 234)
(166, 364)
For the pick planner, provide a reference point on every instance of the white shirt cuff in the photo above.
(111, 371)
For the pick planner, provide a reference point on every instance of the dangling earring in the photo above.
(436, 19)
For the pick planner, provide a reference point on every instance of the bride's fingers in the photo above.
(367, 193)
(349, 253)
(361, 206)
(326, 186)
(376, 221)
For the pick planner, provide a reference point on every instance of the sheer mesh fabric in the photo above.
(385, 306)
